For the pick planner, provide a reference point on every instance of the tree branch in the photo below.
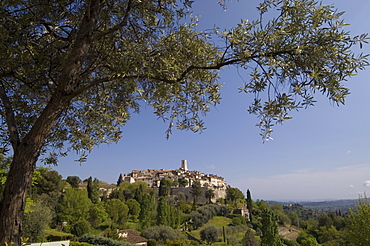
(118, 26)
(216, 66)
(52, 33)
(10, 118)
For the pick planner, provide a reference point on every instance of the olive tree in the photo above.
(72, 71)
(209, 234)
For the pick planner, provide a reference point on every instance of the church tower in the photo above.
(184, 165)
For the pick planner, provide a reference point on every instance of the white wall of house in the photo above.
(59, 243)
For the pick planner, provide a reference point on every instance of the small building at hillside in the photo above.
(132, 237)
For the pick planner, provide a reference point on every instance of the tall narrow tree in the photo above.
(196, 191)
(120, 179)
(93, 189)
(249, 204)
(165, 187)
(270, 231)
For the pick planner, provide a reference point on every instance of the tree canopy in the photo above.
(73, 71)
(357, 225)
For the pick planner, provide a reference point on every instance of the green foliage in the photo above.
(97, 214)
(238, 220)
(75, 206)
(327, 234)
(93, 189)
(306, 39)
(4, 169)
(117, 211)
(55, 235)
(294, 219)
(81, 227)
(133, 208)
(203, 214)
(290, 242)
(74, 181)
(358, 223)
(232, 240)
(165, 187)
(120, 179)
(209, 234)
(233, 195)
(49, 181)
(249, 204)
(209, 194)
(162, 233)
(283, 218)
(196, 191)
(36, 222)
(183, 206)
(146, 211)
(152, 242)
(309, 241)
(99, 240)
(249, 239)
(167, 215)
(270, 233)
(305, 48)
(120, 194)
(183, 182)
(306, 239)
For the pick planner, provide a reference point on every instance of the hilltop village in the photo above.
(182, 179)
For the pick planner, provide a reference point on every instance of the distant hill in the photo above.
(328, 206)
(331, 206)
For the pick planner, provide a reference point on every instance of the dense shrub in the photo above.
(162, 233)
(235, 229)
(232, 240)
(238, 220)
(209, 234)
(203, 214)
(290, 242)
(197, 219)
(152, 242)
(81, 227)
(99, 240)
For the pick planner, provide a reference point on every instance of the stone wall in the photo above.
(176, 191)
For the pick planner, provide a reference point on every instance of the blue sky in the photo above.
(322, 153)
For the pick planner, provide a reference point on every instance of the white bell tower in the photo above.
(184, 165)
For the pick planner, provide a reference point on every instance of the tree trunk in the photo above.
(21, 170)
(27, 152)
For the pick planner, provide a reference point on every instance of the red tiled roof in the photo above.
(133, 236)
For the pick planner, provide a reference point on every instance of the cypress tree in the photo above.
(120, 179)
(196, 191)
(165, 187)
(270, 230)
(92, 190)
(163, 212)
(146, 211)
(249, 204)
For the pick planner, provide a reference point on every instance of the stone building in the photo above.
(153, 178)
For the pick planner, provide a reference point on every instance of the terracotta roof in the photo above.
(132, 236)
